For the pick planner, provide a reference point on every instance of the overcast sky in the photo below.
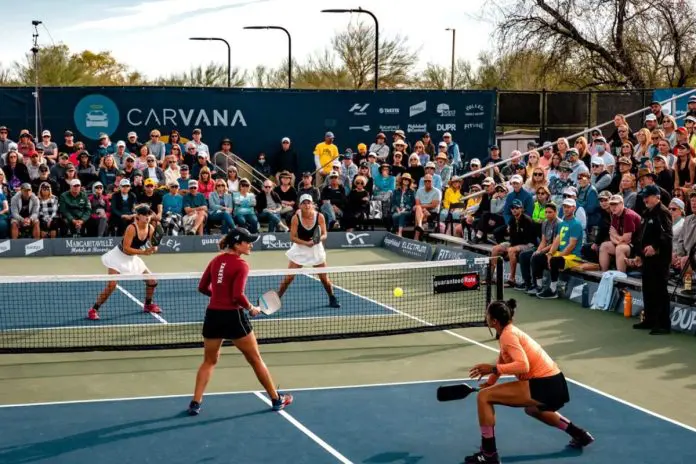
(152, 36)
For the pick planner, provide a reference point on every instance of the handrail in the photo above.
(238, 163)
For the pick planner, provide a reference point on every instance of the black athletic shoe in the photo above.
(480, 458)
(333, 302)
(582, 440)
(194, 408)
(547, 294)
(642, 326)
(660, 331)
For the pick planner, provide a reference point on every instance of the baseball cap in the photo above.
(430, 164)
(143, 209)
(73, 183)
(306, 174)
(598, 161)
(600, 139)
(516, 179)
(604, 194)
(124, 182)
(329, 135)
(306, 197)
(488, 181)
(46, 133)
(27, 186)
(651, 117)
(475, 161)
(150, 181)
(194, 183)
(132, 134)
(616, 199)
(679, 204)
(565, 166)
(517, 204)
(569, 202)
(650, 190)
(285, 139)
(625, 160)
(570, 191)
(240, 235)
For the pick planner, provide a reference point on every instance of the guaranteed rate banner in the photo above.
(257, 120)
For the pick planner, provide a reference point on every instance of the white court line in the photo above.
(328, 448)
(140, 303)
(243, 392)
(490, 348)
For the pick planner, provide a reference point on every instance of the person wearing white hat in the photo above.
(677, 210)
(563, 254)
(430, 168)
(308, 232)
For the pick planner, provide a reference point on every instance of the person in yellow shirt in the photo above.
(324, 154)
(452, 195)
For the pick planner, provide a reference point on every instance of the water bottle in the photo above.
(628, 304)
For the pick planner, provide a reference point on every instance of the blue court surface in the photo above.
(399, 423)
(179, 299)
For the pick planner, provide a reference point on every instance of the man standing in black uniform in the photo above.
(655, 251)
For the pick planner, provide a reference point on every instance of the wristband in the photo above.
(495, 370)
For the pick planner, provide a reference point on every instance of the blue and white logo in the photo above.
(95, 115)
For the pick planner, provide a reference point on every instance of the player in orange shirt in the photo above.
(540, 388)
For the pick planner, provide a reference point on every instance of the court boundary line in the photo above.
(302, 428)
(240, 392)
(495, 350)
(140, 303)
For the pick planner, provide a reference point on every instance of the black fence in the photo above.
(557, 114)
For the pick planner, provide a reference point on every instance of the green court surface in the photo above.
(597, 350)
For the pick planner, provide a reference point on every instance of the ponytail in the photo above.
(223, 243)
(503, 311)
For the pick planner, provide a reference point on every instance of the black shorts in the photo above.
(227, 324)
(551, 392)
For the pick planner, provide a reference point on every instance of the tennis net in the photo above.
(49, 313)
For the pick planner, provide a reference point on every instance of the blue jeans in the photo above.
(225, 219)
(401, 218)
(248, 221)
(272, 218)
(4, 225)
(456, 215)
(329, 213)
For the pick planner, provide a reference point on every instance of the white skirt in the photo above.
(307, 256)
(123, 263)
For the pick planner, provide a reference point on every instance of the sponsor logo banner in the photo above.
(392, 128)
(451, 127)
(274, 241)
(364, 128)
(359, 109)
(4, 246)
(456, 283)
(207, 243)
(444, 111)
(389, 111)
(176, 244)
(354, 239)
(417, 128)
(407, 247)
(684, 319)
(418, 108)
(83, 246)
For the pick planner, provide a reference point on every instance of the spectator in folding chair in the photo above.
(306, 187)
(221, 206)
(364, 170)
(523, 237)
(549, 229)
(269, 207)
(358, 206)
(590, 250)
(122, 208)
(428, 200)
(245, 207)
(492, 220)
(172, 210)
(98, 222)
(75, 210)
(195, 209)
(452, 196)
(25, 213)
(288, 197)
(564, 252)
(334, 200)
(402, 203)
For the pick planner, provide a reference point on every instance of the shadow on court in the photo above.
(400, 423)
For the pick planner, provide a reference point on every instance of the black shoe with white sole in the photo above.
(547, 294)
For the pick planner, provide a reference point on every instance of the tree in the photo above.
(355, 47)
(438, 77)
(210, 75)
(635, 43)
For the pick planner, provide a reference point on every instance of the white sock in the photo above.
(539, 282)
(553, 286)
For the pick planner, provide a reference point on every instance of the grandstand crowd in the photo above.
(50, 189)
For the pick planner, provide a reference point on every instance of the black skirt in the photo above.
(551, 392)
(226, 324)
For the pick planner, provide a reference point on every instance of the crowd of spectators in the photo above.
(587, 196)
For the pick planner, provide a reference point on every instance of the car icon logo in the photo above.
(97, 118)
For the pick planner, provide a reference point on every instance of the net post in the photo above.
(499, 268)
(489, 281)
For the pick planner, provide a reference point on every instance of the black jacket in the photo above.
(523, 231)
(656, 231)
(665, 198)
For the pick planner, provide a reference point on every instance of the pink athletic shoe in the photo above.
(152, 308)
(92, 314)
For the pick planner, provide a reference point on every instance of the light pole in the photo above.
(289, 47)
(454, 33)
(229, 55)
(360, 10)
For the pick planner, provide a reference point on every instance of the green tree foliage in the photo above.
(210, 75)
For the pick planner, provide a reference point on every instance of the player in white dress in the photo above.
(307, 234)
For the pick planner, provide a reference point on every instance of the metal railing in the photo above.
(244, 169)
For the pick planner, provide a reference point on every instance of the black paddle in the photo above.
(455, 392)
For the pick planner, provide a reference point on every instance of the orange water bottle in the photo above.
(628, 304)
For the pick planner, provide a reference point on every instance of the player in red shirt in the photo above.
(224, 281)
(540, 388)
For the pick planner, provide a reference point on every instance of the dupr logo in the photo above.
(446, 127)
(359, 109)
(684, 319)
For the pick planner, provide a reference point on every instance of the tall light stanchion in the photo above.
(360, 10)
(229, 55)
(289, 47)
(35, 52)
(454, 33)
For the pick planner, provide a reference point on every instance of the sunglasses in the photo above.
(674, 209)
(538, 174)
(267, 186)
(360, 183)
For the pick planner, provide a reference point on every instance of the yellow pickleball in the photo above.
(398, 292)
